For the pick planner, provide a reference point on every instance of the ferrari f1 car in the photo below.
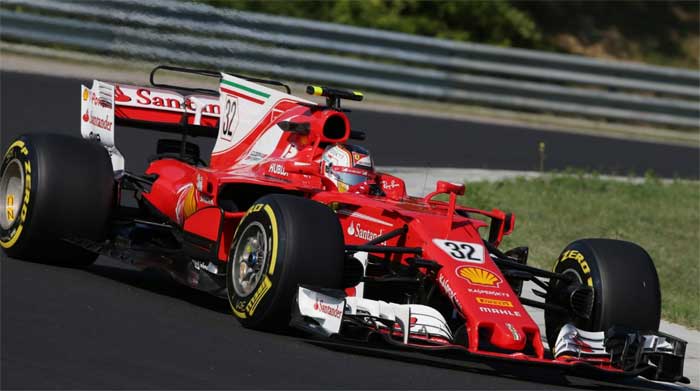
(294, 226)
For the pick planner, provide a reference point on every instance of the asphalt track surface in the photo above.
(111, 326)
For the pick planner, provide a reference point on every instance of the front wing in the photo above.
(332, 314)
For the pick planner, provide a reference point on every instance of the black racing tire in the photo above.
(66, 190)
(302, 243)
(625, 286)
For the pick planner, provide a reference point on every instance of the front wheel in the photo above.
(624, 282)
(283, 241)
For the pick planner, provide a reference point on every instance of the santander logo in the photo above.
(356, 230)
(120, 96)
(161, 99)
(327, 309)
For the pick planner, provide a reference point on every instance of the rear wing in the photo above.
(168, 108)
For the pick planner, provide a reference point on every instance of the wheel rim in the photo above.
(11, 189)
(249, 259)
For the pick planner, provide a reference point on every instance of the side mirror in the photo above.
(444, 187)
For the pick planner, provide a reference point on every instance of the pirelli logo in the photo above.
(262, 290)
(498, 303)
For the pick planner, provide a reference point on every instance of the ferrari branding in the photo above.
(327, 309)
(190, 204)
(259, 294)
(499, 303)
(338, 157)
(499, 311)
(245, 92)
(361, 159)
(186, 203)
(356, 230)
(513, 331)
(478, 276)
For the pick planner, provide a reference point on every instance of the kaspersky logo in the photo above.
(356, 230)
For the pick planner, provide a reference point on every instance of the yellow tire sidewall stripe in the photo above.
(275, 238)
(25, 205)
(267, 283)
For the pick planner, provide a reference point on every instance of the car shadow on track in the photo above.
(160, 283)
(500, 368)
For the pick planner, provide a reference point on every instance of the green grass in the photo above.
(664, 218)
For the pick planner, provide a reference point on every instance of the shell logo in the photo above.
(186, 204)
(478, 276)
(190, 205)
(86, 94)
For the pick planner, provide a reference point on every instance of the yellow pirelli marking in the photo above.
(259, 294)
(317, 90)
(25, 201)
(239, 314)
(273, 223)
(499, 303)
(18, 144)
(578, 257)
(10, 206)
(13, 239)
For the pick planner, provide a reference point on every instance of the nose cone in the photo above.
(508, 336)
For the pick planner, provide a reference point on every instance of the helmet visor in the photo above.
(350, 176)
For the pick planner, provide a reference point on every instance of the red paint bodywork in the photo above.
(362, 217)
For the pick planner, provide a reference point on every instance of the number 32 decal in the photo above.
(229, 119)
(461, 251)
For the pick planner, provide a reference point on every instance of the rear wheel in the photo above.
(282, 242)
(624, 281)
(54, 187)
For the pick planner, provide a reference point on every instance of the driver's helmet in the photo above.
(347, 165)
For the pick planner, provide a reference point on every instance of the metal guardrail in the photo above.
(198, 34)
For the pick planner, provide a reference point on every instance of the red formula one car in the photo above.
(294, 226)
